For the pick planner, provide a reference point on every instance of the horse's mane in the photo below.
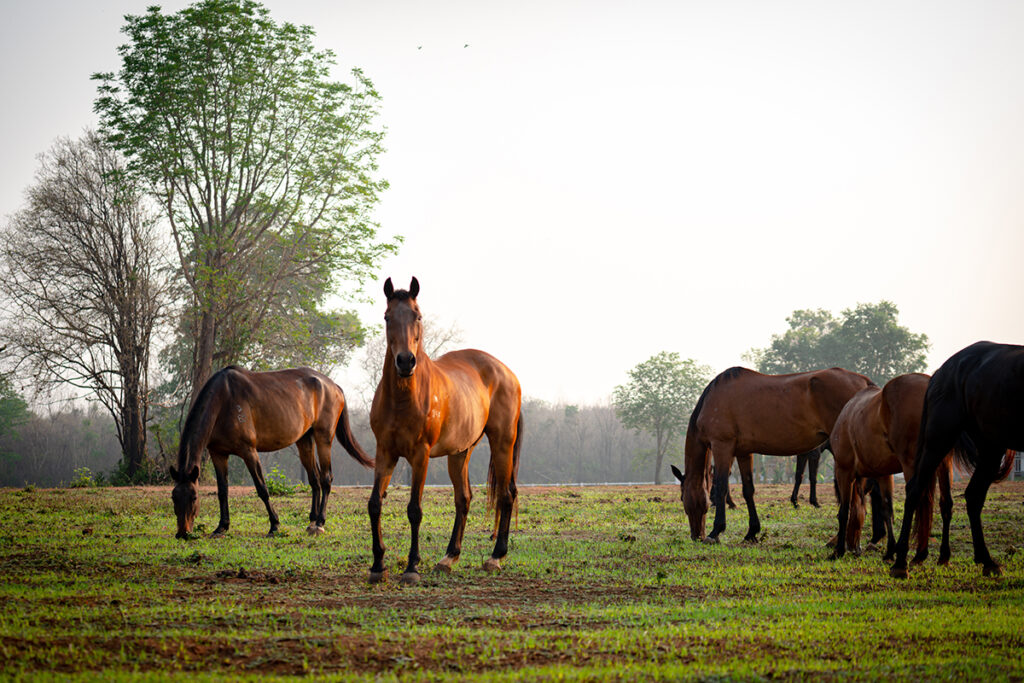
(401, 295)
(724, 376)
(199, 422)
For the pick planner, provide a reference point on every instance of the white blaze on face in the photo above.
(241, 414)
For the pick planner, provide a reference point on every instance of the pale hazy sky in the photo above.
(584, 184)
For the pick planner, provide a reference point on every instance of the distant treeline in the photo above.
(562, 444)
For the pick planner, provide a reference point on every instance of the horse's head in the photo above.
(695, 502)
(403, 326)
(186, 499)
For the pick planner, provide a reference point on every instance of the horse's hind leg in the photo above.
(503, 486)
(305, 447)
(323, 453)
(945, 507)
(747, 477)
(813, 460)
(798, 476)
(458, 471)
(975, 493)
(252, 461)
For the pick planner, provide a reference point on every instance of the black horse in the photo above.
(973, 407)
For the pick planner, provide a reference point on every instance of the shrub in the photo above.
(278, 484)
(83, 479)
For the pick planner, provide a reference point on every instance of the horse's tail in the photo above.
(1006, 466)
(343, 432)
(492, 480)
(199, 423)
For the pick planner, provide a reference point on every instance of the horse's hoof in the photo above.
(492, 565)
(378, 577)
(814, 503)
(992, 570)
(409, 578)
(897, 572)
(311, 530)
(943, 560)
(870, 548)
(917, 559)
(445, 565)
(831, 543)
(750, 540)
(710, 540)
(274, 532)
(795, 504)
(218, 532)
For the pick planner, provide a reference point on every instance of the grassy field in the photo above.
(599, 583)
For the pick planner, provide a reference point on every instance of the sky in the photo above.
(581, 185)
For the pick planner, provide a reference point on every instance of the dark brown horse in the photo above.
(743, 412)
(875, 436)
(243, 412)
(428, 409)
(973, 407)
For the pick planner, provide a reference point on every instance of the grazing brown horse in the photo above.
(973, 407)
(742, 412)
(875, 436)
(243, 412)
(426, 409)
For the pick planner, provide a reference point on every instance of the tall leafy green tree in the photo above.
(659, 398)
(867, 339)
(266, 169)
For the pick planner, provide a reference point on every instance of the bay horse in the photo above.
(742, 412)
(875, 436)
(973, 407)
(426, 409)
(242, 412)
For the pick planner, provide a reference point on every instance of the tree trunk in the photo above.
(659, 456)
(204, 354)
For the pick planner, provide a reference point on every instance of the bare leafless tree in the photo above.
(82, 290)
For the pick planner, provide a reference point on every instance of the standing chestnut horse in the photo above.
(426, 409)
(973, 406)
(875, 436)
(743, 412)
(242, 412)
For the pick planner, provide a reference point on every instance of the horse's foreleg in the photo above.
(746, 463)
(458, 472)
(252, 461)
(915, 491)
(305, 447)
(945, 507)
(220, 467)
(418, 463)
(381, 477)
(723, 455)
(975, 493)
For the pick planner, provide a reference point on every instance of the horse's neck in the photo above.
(408, 393)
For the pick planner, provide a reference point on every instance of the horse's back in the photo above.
(982, 385)
(272, 410)
(777, 414)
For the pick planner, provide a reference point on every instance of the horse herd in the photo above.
(970, 411)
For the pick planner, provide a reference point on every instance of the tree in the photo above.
(78, 267)
(13, 412)
(659, 398)
(265, 170)
(867, 339)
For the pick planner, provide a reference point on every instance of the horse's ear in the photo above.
(389, 289)
(193, 476)
(414, 288)
(679, 475)
(174, 473)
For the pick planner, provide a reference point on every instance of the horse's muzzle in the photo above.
(405, 364)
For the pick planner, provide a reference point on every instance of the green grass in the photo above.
(599, 583)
